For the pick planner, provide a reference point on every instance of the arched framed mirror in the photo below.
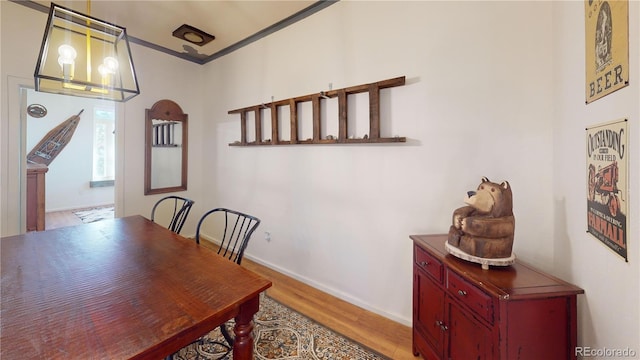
(165, 166)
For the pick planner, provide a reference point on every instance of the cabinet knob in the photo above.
(424, 263)
(442, 326)
(462, 293)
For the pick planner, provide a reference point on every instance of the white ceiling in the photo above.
(234, 23)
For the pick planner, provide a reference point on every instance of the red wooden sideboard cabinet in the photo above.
(463, 312)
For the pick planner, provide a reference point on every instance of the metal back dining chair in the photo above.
(179, 208)
(230, 231)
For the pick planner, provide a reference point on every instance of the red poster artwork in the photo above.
(607, 199)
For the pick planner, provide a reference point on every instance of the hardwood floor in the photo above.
(57, 219)
(374, 331)
(377, 332)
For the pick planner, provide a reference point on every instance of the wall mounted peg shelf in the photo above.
(373, 135)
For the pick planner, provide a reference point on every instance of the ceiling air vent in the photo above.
(193, 35)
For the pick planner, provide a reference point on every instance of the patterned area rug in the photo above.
(282, 333)
(96, 214)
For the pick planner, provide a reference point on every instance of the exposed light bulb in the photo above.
(67, 52)
(104, 70)
(107, 75)
(108, 70)
(111, 63)
(67, 60)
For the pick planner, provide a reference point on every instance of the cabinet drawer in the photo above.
(429, 263)
(478, 301)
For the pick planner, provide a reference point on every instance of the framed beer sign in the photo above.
(607, 47)
(608, 195)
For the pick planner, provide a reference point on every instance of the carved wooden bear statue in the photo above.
(485, 227)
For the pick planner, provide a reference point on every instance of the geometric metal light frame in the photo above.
(84, 56)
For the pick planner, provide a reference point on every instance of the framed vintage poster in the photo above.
(607, 47)
(607, 195)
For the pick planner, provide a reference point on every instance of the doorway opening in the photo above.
(80, 159)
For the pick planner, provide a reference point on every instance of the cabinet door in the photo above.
(468, 337)
(430, 311)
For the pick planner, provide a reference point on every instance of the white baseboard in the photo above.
(204, 237)
(333, 292)
(321, 287)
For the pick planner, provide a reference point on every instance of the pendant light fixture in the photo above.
(84, 56)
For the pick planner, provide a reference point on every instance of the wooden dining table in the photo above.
(125, 288)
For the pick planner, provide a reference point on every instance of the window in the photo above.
(103, 146)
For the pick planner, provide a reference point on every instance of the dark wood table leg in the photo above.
(243, 345)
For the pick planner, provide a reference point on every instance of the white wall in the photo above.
(476, 103)
(160, 77)
(165, 77)
(69, 174)
(493, 89)
(15, 71)
(609, 311)
(484, 96)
